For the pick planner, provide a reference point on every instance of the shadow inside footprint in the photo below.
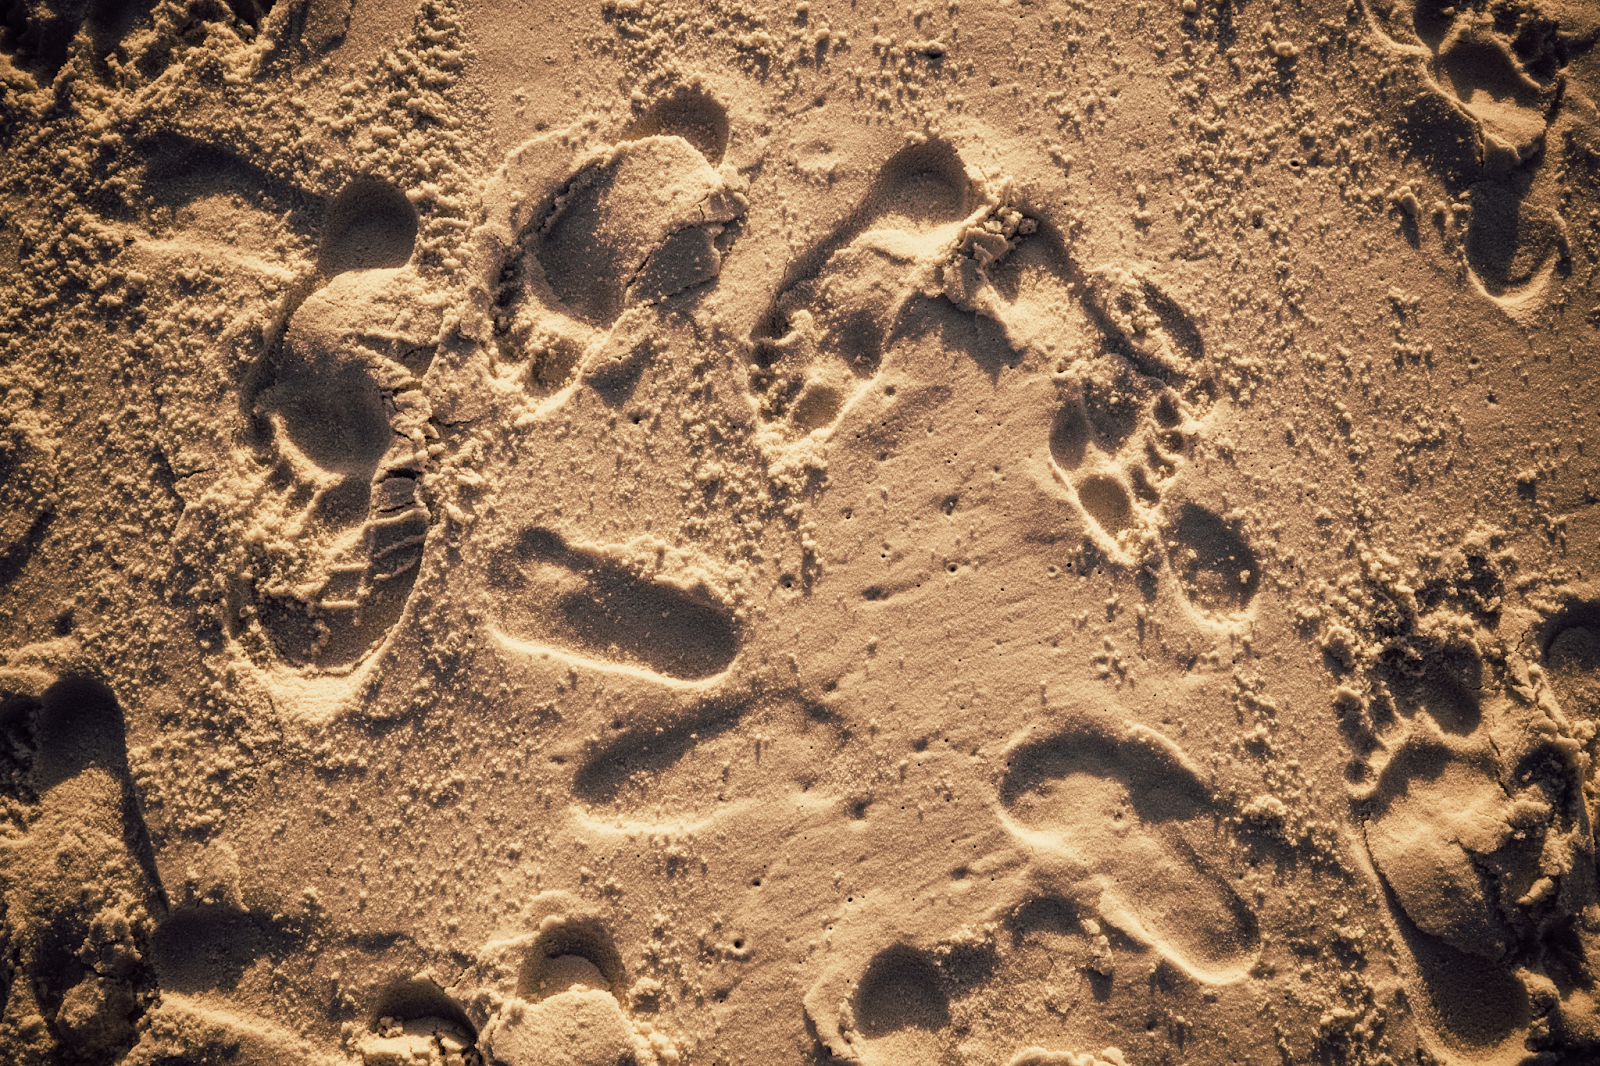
(650, 750)
(83, 890)
(579, 599)
(1128, 807)
(572, 950)
(1436, 829)
(180, 169)
(1572, 660)
(418, 999)
(901, 989)
(983, 340)
(370, 226)
(642, 223)
(695, 117)
(1510, 240)
(1218, 569)
(843, 302)
(208, 948)
(339, 393)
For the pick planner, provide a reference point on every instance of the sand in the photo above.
(651, 532)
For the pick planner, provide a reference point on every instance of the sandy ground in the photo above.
(1034, 534)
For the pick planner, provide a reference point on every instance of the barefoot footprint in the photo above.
(1119, 816)
(822, 339)
(338, 534)
(1475, 822)
(1125, 429)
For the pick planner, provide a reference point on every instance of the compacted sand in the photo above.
(1018, 533)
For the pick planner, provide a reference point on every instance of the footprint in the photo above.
(417, 1021)
(572, 241)
(370, 225)
(342, 422)
(41, 36)
(38, 35)
(583, 601)
(1218, 570)
(1474, 819)
(901, 1010)
(1493, 89)
(83, 889)
(1125, 428)
(1126, 821)
(1572, 659)
(567, 1004)
(823, 337)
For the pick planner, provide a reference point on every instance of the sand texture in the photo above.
(710, 532)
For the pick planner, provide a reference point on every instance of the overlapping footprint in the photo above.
(1493, 91)
(1474, 818)
(1127, 422)
(823, 338)
(343, 429)
(575, 237)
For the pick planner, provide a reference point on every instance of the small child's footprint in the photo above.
(337, 538)
(1119, 815)
(570, 244)
(821, 340)
(585, 601)
(1126, 422)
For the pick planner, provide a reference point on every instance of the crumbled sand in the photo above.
(1030, 533)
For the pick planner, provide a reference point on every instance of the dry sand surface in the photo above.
(1032, 533)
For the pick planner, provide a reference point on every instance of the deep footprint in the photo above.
(340, 412)
(646, 220)
(1124, 807)
(1215, 564)
(1431, 829)
(578, 600)
(901, 1009)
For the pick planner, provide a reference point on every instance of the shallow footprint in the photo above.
(823, 336)
(582, 601)
(1120, 811)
